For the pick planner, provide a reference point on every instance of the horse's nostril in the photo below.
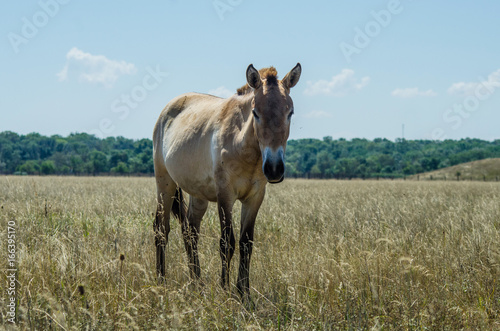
(280, 168)
(268, 169)
(274, 171)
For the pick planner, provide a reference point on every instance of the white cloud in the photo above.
(222, 92)
(63, 74)
(470, 88)
(412, 93)
(317, 114)
(95, 68)
(340, 85)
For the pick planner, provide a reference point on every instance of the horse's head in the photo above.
(272, 112)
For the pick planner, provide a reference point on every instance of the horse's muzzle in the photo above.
(273, 165)
(276, 182)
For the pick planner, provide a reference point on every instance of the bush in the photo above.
(48, 167)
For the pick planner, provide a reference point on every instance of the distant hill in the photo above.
(487, 169)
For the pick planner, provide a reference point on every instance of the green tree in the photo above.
(118, 156)
(30, 167)
(99, 162)
(48, 167)
(323, 162)
(76, 164)
(121, 168)
(346, 168)
(315, 172)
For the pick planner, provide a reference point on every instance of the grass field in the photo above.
(327, 255)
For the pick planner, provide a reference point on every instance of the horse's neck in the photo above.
(247, 140)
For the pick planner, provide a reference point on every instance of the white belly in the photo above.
(189, 161)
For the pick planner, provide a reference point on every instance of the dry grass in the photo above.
(328, 255)
(486, 170)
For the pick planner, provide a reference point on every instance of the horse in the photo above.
(221, 150)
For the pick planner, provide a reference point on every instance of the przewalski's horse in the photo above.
(221, 150)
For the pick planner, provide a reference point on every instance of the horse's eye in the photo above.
(255, 114)
(290, 115)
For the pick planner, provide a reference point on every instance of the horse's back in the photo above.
(197, 103)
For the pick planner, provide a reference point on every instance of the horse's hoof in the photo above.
(160, 280)
(248, 302)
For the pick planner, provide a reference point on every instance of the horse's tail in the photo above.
(179, 207)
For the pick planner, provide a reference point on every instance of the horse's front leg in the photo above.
(249, 210)
(225, 206)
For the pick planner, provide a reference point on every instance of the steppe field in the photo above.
(391, 255)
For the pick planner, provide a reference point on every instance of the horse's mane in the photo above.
(269, 75)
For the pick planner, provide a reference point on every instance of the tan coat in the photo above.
(221, 150)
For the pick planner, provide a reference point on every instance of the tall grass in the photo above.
(327, 255)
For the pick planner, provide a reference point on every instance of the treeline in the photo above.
(77, 154)
(84, 154)
(362, 158)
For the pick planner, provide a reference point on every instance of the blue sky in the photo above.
(369, 67)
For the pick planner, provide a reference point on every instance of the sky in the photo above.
(368, 67)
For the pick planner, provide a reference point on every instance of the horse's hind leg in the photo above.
(165, 188)
(225, 207)
(191, 231)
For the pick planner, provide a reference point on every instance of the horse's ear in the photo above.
(292, 78)
(253, 77)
